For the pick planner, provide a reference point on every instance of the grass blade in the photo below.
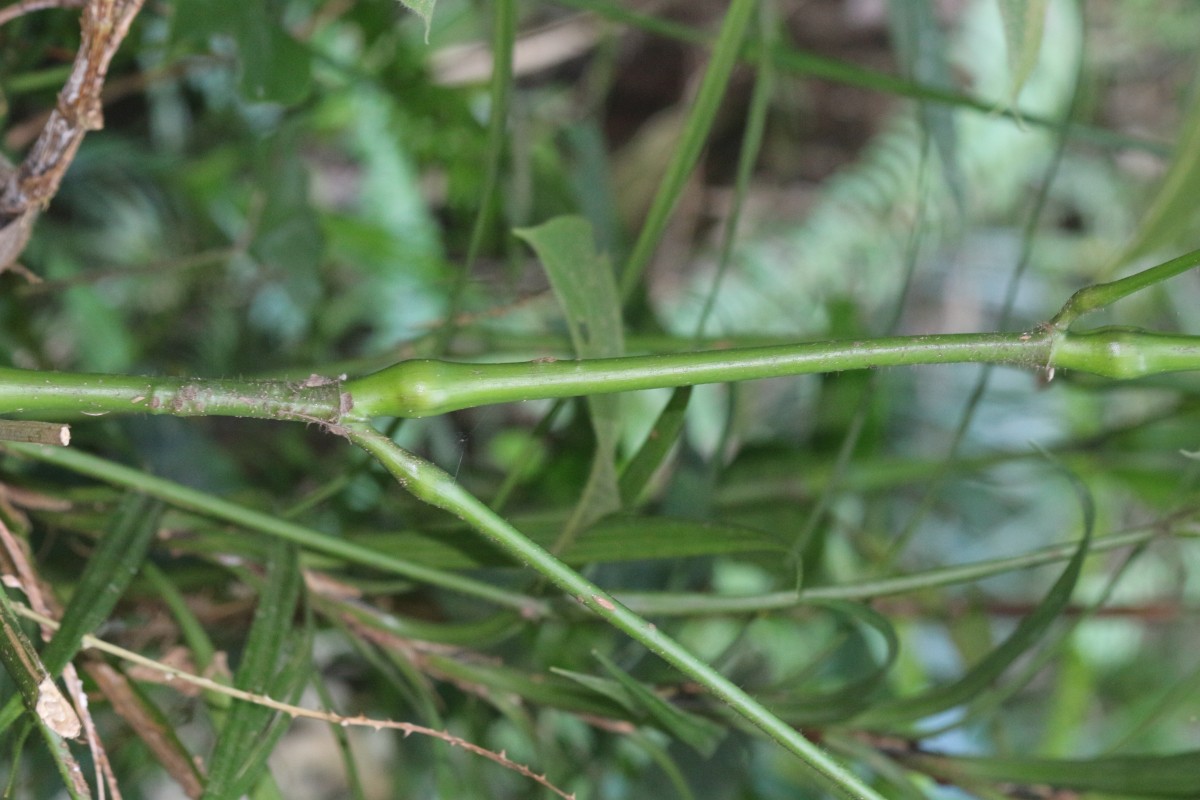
(109, 571)
(239, 759)
(900, 713)
(691, 143)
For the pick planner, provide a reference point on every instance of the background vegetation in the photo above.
(961, 582)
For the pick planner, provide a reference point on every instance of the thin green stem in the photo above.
(433, 485)
(1092, 298)
(673, 604)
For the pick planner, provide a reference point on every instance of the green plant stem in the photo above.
(314, 399)
(427, 387)
(422, 388)
(1100, 295)
(436, 487)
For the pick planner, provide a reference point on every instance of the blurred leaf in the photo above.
(274, 663)
(921, 47)
(424, 10)
(1171, 215)
(1172, 775)
(635, 477)
(586, 289)
(275, 67)
(1024, 23)
(900, 713)
(701, 734)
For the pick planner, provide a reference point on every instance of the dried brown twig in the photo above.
(26, 189)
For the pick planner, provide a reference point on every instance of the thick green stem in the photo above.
(433, 485)
(315, 399)
(423, 388)
(426, 387)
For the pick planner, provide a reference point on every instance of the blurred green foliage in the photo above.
(294, 186)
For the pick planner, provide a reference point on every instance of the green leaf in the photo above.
(921, 47)
(424, 10)
(701, 734)
(250, 730)
(1174, 775)
(1024, 23)
(586, 289)
(1171, 215)
(109, 571)
(635, 477)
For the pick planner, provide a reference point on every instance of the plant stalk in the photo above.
(428, 387)
(431, 484)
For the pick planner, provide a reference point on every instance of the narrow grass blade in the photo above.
(700, 734)
(239, 759)
(191, 499)
(900, 714)
(109, 571)
(691, 143)
(1143, 776)
(635, 477)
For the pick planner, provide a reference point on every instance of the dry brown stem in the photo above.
(29, 187)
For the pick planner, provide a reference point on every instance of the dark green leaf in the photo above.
(110, 569)
(701, 734)
(270, 665)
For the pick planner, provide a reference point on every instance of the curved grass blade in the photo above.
(900, 714)
(857, 693)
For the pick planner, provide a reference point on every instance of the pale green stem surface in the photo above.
(436, 487)
(426, 387)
